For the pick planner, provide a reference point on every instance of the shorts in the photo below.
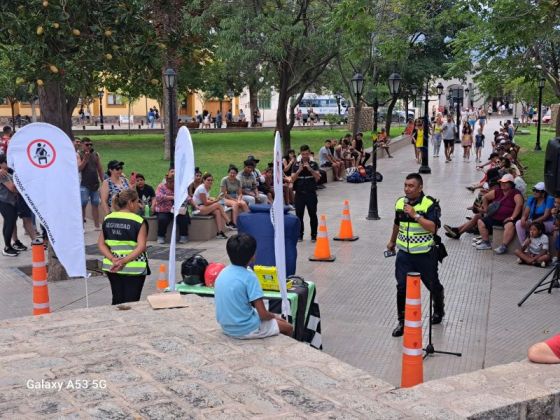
(267, 328)
(449, 143)
(489, 222)
(86, 195)
(22, 208)
(554, 344)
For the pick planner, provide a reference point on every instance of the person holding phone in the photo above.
(91, 177)
(305, 175)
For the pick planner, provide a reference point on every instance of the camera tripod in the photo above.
(543, 285)
(430, 350)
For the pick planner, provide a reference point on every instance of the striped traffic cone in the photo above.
(322, 249)
(39, 274)
(162, 283)
(412, 360)
(346, 233)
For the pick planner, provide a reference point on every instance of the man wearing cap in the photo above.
(91, 175)
(259, 177)
(417, 219)
(249, 185)
(505, 213)
(305, 175)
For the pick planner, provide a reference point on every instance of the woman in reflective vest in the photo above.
(123, 244)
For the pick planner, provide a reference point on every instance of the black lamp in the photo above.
(170, 79)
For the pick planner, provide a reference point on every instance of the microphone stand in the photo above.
(430, 350)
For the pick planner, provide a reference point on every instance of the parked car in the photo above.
(398, 116)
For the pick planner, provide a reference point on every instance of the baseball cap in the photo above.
(251, 157)
(114, 164)
(539, 186)
(507, 178)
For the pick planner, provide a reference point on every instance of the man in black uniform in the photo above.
(305, 175)
(416, 223)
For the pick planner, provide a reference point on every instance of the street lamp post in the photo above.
(414, 92)
(170, 76)
(539, 111)
(100, 96)
(439, 88)
(373, 211)
(425, 167)
(358, 88)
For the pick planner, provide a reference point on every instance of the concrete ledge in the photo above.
(396, 143)
(177, 363)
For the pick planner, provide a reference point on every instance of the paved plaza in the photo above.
(357, 292)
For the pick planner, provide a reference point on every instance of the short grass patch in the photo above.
(214, 151)
(534, 160)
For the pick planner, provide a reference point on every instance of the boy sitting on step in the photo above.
(240, 309)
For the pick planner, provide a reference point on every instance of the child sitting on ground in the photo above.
(239, 302)
(534, 249)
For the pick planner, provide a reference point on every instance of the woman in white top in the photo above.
(205, 205)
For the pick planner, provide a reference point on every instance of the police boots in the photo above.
(401, 301)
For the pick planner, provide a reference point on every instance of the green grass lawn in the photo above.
(214, 151)
(531, 158)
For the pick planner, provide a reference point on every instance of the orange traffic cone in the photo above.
(322, 249)
(39, 273)
(345, 233)
(412, 360)
(162, 283)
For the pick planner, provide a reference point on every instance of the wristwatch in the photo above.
(417, 217)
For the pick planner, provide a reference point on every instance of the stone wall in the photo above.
(139, 363)
(366, 118)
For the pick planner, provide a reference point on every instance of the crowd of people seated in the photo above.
(500, 203)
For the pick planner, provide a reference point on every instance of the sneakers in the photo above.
(519, 261)
(502, 249)
(183, 239)
(10, 252)
(484, 245)
(452, 232)
(221, 235)
(231, 226)
(160, 240)
(313, 239)
(543, 264)
(18, 246)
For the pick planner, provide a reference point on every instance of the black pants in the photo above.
(125, 288)
(308, 200)
(9, 213)
(365, 158)
(425, 264)
(164, 219)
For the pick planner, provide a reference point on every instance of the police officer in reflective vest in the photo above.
(123, 244)
(416, 223)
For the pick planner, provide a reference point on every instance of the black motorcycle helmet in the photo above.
(192, 270)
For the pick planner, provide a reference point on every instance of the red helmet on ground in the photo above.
(211, 273)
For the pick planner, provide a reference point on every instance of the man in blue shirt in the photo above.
(238, 296)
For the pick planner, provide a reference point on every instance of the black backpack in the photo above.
(192, 270)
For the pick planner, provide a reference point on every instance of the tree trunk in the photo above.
(558, 123)
(12, 106)
(129, 116)
(389, 118)
(376, 114)
(282, 121)
(357, 112)
(253, 92)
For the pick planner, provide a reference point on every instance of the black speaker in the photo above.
(552, 167)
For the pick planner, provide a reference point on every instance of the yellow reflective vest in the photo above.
(412, 237)
(121, 230)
